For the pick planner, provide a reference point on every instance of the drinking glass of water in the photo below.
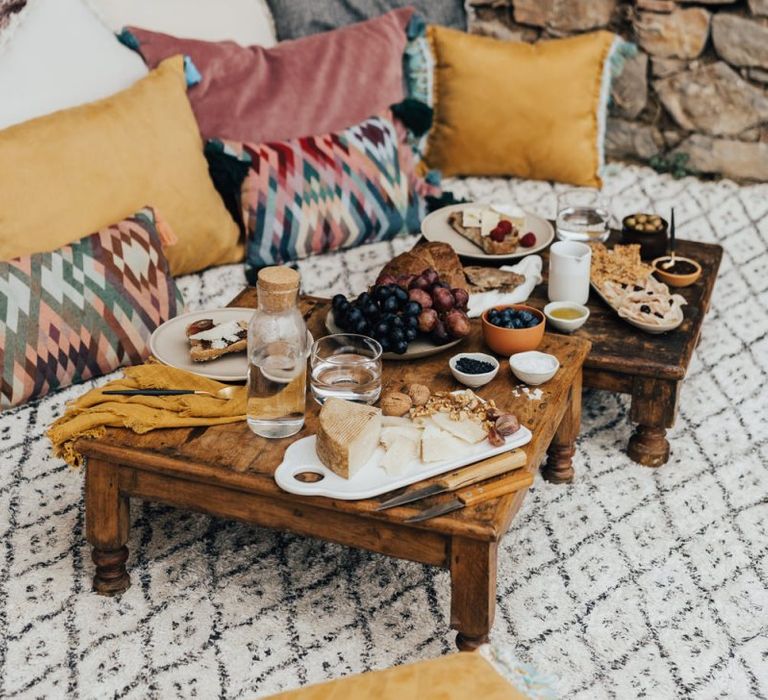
(582, 215)
(346, 366)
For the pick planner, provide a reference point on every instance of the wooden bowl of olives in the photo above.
(647, 230)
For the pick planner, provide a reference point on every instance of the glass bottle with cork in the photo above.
(277, 356)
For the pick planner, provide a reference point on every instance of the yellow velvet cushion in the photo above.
(455, 677)
(67, 174)
(512, 108)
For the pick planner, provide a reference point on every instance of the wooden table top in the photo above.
(232, 455)
(619, 347)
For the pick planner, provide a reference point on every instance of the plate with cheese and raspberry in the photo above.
(488, 231)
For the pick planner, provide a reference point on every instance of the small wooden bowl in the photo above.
(676, 280)
(508, 341)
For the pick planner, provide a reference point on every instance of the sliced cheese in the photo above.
(514, 214)
(347, 436)
(489, 222)
(439, 446)
(471, 217)
(401, 454)
(470, 431)
(391, 435)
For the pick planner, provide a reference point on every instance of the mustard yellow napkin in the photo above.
(92, 413)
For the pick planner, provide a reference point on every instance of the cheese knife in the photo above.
(486, 469)
(476, 494)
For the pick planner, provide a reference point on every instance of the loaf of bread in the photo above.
(439, 256)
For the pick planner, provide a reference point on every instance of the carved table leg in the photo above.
(559, 466)
(473, 591)
(106, 524)
(654, 406)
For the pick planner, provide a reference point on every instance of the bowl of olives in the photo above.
(511, 329)
(411, 316)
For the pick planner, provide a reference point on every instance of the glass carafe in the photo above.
(277, 356)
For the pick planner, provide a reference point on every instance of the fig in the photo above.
(507, 424)
(430, 274)
(456, 323)
(384, 280)
(428, 320)
(442, 299)
(419, 283)
(461, 296)
(421, 297)
(439, 334)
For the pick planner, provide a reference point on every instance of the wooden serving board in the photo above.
(372, 480)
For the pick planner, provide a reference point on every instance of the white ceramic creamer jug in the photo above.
(569, 264)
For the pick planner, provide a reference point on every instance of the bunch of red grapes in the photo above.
(396, 309)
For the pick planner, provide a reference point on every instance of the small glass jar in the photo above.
(277, 356)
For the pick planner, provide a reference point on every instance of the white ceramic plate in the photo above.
(372, 480)
(419, 347)
(647, 327)
(169, 345)
(436, 228)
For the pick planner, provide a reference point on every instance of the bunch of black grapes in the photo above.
(386, 314)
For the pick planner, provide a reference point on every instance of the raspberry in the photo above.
(528, 240)
(505, 226)
(498, 234)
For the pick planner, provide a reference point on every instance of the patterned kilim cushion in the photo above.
(321, 193)
(83, 310)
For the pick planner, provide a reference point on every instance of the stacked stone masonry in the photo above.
(698, 84)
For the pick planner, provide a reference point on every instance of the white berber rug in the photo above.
(628, 583)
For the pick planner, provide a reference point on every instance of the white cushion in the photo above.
(244, 21)
(60, 56)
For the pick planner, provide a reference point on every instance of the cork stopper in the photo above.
(278, 286)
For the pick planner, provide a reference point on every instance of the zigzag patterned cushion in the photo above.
(321, 193)
(85, 309)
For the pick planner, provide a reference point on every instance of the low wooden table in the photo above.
(227, 471)
(650, 368)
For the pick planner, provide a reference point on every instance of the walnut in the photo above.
(419, 393)
(395, 404)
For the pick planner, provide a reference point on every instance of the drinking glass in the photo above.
(346, 366)
(582, 215)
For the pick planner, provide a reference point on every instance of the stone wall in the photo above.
(697, 86)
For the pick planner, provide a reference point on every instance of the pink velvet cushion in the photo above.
(314, 85)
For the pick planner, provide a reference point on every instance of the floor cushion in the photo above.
(85, 309)
(243, 21)
(511, 108)
(317, 194)
(85, 168)
(453, 677)
(297, 18)
(315, 85)
(43, 68)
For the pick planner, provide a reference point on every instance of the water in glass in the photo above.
(346, 366)
(582, 216)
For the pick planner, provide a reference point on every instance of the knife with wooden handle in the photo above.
(500, 464)
(477, 494)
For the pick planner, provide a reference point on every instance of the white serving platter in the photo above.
(435, 228)
(647, 327)
(372, 480)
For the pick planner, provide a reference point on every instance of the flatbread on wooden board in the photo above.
(485, 243)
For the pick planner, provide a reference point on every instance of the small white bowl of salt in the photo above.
(534, 367)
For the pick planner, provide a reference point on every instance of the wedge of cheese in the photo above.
(439, 446)
(470, 431)
(347, 436)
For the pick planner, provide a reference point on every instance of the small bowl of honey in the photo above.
(566, 316)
